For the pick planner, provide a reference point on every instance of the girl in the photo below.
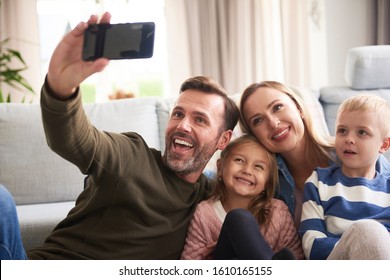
(247, 176)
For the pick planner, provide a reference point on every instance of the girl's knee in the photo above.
(239, 215)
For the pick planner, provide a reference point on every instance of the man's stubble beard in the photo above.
(190, 165)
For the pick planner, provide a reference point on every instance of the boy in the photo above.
(346, 210)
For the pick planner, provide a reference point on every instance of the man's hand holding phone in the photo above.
(67, 69)
(119, 41)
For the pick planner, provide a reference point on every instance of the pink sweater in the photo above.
(207, 222)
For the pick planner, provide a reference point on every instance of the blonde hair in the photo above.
(369, 103)
(318, 146)
(260, 206)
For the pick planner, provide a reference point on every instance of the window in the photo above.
(141, 77)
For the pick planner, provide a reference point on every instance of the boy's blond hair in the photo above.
(369, 103)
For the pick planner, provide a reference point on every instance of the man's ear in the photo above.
(385, 145)
(224, 139)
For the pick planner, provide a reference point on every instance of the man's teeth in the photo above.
(182, 142)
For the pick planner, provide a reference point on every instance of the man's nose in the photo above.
(184, 125)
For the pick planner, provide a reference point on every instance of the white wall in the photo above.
(349, 24)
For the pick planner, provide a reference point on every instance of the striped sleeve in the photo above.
(315, 241)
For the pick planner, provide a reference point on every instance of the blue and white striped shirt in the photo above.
(332, 202)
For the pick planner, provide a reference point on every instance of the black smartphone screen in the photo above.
(119, 41)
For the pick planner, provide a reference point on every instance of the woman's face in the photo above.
(274, 119)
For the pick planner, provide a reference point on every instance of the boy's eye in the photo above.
(362, 132)
(341, 131)
(239, 160)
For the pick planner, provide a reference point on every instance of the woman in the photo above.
(274, 113)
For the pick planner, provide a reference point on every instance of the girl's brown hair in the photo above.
(260, 206)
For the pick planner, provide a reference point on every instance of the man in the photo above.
(137, 203)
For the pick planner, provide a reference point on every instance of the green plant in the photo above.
(12, 75)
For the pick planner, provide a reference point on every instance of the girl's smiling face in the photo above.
(245, 171)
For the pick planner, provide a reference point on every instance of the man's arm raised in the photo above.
(67, 69)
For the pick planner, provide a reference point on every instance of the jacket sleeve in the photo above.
(289, 237)
(202, 235)
(315, 240)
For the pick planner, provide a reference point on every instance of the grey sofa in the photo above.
(46, 186)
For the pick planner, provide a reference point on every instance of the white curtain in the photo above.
(382, 18)
(19, 23)
(243, 41)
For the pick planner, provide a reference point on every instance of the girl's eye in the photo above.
(259, 167)
(239, 160)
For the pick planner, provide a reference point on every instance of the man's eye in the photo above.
(200, 120)
(177, 114)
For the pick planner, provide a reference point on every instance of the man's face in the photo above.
(194, 132)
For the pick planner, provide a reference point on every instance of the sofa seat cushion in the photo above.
(38, 220)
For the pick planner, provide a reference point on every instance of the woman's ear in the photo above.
(385, 145)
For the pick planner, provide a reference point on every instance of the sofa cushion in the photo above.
(37, 221)
(368, 67)
(35, 174)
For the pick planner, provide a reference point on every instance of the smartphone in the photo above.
(119, 41)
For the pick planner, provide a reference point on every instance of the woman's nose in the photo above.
(275, 122)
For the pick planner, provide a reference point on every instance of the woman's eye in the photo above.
(277, 107)
(257, 121)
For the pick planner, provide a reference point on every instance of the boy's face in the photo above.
(359, 141)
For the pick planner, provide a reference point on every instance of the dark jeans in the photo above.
(240, 238)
